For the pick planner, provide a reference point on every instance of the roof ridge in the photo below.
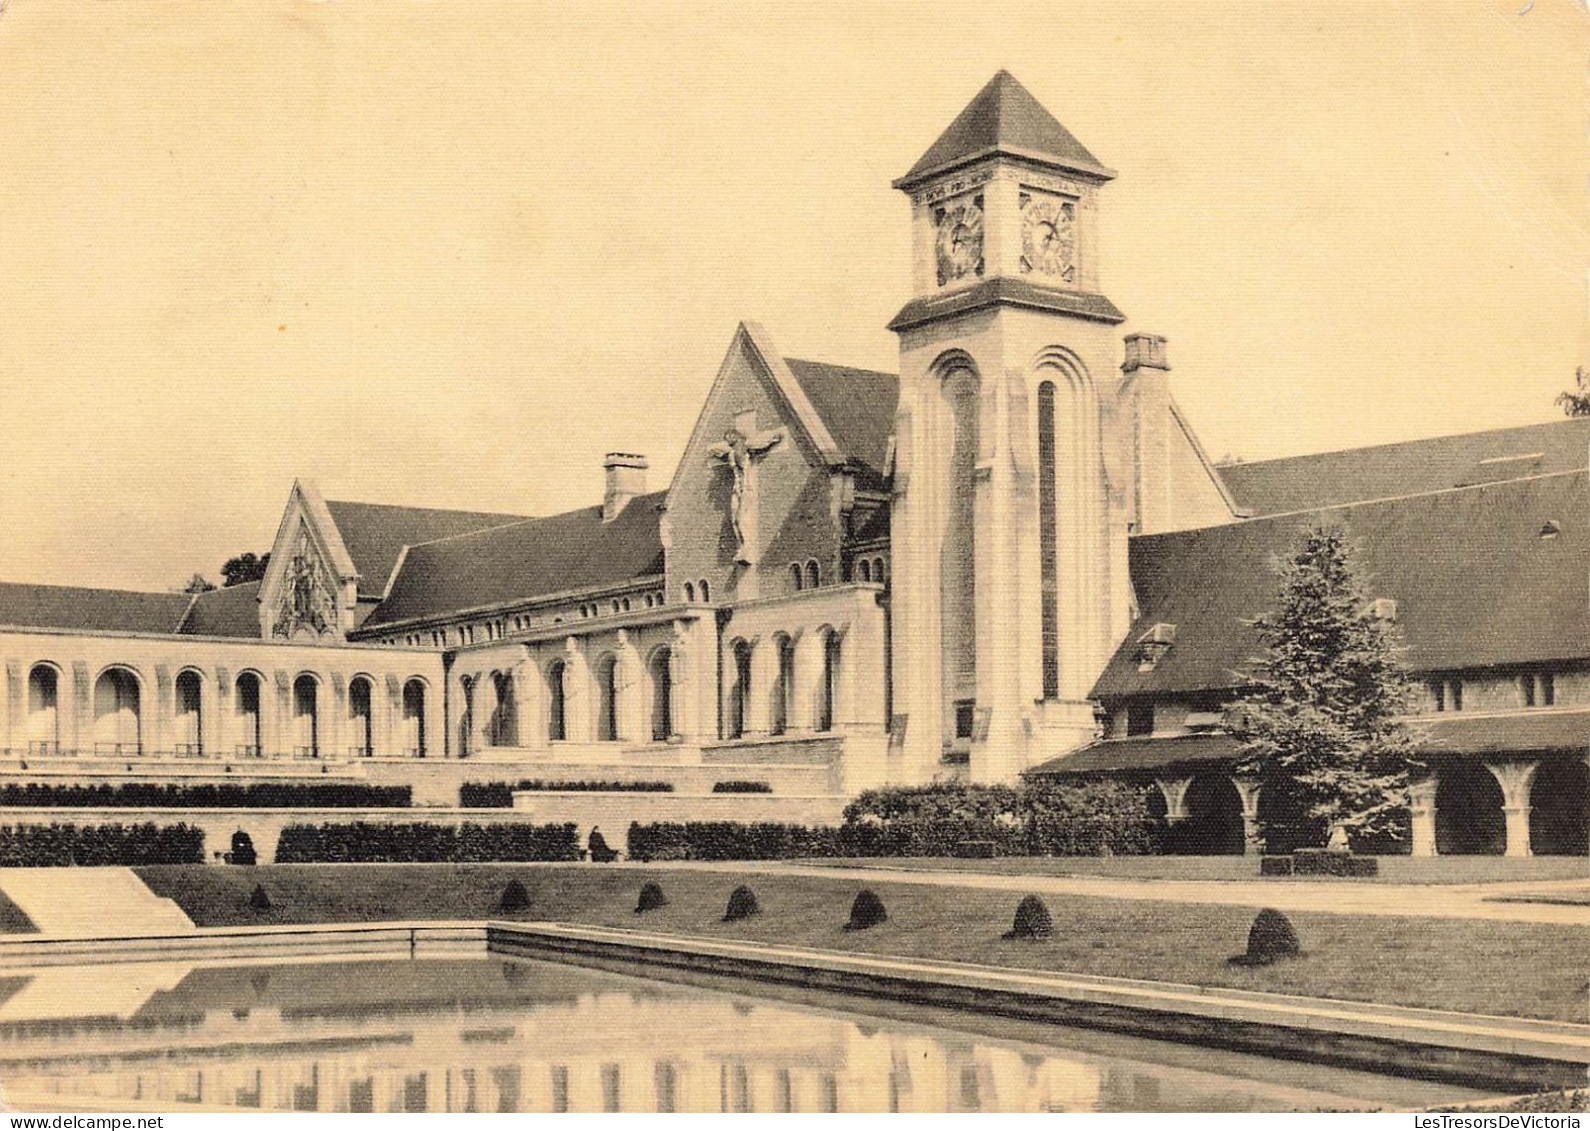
(100, 589)
(840, 365)
(431, 510)
(522, 522)
(1401, 443)
(1373, 502)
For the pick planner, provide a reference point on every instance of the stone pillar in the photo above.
(13, 734)
(808, 681)
(633, 723)
(1515, 778)
(682, 709)
(387, 725)
(81, 711)
(1175, 793)
(284, 738)
(1248, 791)
(161, 728)
(764, 674)
(1421, 809)
(527, 703)
(332, 730)
(579, 722)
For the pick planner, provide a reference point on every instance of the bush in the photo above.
(1323, 862)
(45, 846)
(260, 795)
(1032, 920)
(1271, 936)
(651, 898)
(742, 905)
(499, 794)
(742, 787)
(514, 897)
(1275, 865)
(866, 911)
(730, 840)
(260, 900)
(422, 842)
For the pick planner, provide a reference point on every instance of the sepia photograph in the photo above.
(682, 556)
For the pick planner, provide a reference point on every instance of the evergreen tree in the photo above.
(1319, 721)
(1577, 404)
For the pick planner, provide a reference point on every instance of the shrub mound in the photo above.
(260, 900)
(651, 898)
(514, 897)
(421, 842)
(261, 795)
(1272, 936)
(866, 911)
(1324, 862)
(499, 794)
(1032, 920)
(742, 787)
(48, 846)
(742, 905)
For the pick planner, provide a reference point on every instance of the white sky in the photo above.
(447, 254)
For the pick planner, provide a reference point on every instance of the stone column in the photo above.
(764, 674)
(1175, 793)
(633, 722)
(161, 728)
(81, 712)
(331, 729)
(682, 709)
(13, 735)
(578, 722)
(527, 703)
(1515, 778)
(1248, 793)
(1421, 809)
(285, 737)
(387, 725)
(808, 681)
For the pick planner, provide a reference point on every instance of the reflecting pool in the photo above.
(485, 1034)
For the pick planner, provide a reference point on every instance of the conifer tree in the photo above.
(1319, 723)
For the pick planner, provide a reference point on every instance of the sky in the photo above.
(449, 253)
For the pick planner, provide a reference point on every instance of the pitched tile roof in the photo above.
(376, 533)
(1475, 583)
(232, 611)
(1279, 486)
(533, 558)
(1140, 754)
(90, 610)
(1005, 118)
(1509, 734)
(857, 406)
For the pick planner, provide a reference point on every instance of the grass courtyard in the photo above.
(1520, 969)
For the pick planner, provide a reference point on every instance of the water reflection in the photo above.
(486, 1035)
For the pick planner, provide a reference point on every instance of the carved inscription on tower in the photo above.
(1049, 236)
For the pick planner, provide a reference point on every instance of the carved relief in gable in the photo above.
(306, 603)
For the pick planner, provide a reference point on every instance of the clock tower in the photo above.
(1009, 523)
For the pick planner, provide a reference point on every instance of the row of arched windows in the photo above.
(867, 569)
(784, 713)
(119, 726)
(805, 577)
(609, 715)
(700, 589)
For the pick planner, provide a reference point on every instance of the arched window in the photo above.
(246, 716)
(306, 716)
(624, 604)
(502, 729)
(813, 575)
(1048, 558)
(865, 569)
(797, 577)
(188, 724)
(557, 718)
(877, 569)
(690, 593)
(739, 690)
(414, 718)
(662, 694)
(361, 728)
(827, 690)
(118, 713)
(44, 716)
(783, 690)
(958, 550)
(607, 693)
(706, 592)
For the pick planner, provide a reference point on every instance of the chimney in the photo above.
(1144, 351)
(626, 478)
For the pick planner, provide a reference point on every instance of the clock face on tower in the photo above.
(1049, 236)
(959, 242)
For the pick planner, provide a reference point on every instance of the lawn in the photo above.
(1393, 869)
(1533, 970)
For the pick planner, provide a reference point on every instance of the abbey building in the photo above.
(1012, 556)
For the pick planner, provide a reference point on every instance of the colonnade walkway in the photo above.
(1340, 897)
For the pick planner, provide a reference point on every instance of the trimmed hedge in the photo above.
(729, 840)
(499, 794)
(45, 846)
(742, 787)
(423, 843)
(261, 795)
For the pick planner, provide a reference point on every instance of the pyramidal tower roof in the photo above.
(1006, 119)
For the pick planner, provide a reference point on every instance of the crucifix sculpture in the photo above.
(741, 450)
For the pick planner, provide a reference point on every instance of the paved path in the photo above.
(91, 902)
(1442, 901)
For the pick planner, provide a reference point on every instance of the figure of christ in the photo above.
(739, 452)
